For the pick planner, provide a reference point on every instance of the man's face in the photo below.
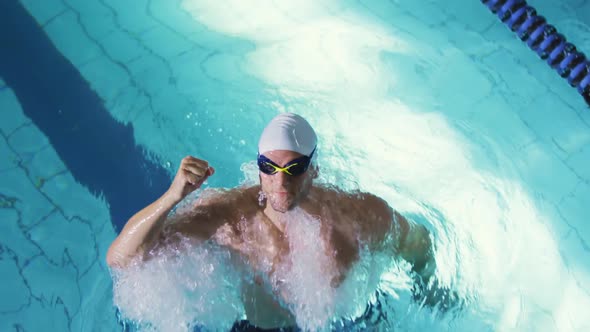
(283, 192)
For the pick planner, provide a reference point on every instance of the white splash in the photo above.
(181, 287)
(305, 278)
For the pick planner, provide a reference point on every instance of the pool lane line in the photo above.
(99, 151)
(544, 39)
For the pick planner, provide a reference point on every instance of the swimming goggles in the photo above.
(295, 167)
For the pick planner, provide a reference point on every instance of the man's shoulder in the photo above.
(213, 208)
(227, 201)
(365, 209)
(359, 214)
(356, 197)
(226, 195)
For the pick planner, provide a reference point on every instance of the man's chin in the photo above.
(282, 207)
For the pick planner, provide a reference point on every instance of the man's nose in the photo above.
(283, 178)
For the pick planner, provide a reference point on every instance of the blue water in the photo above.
(433, 105)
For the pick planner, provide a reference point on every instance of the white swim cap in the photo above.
(288, 131)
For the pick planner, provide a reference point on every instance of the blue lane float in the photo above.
(544, 39)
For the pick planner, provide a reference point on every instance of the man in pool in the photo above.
(259, 215)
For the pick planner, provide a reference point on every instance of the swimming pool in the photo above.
(433, 105)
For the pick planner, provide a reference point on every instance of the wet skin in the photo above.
(255, 229)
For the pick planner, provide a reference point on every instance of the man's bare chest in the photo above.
(268, 249)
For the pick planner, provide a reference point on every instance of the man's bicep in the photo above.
(200, 225)
(386, 222)
(207, 214)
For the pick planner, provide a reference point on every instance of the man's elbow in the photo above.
(418, 250)
(115, 259)
(416, 246)
(111, 260)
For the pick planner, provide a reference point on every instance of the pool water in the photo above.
(433, 105)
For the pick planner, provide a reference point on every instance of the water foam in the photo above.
(305, 279)
(308, 278)
(179, 288)
(187, 284)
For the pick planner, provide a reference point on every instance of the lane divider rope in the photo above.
(544, 39)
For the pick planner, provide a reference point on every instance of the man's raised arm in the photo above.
(145, 227)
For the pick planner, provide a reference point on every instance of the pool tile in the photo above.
(580, 162)
(574, 208)
(55, 299)
(544, 173)
(43, 11)
(556, 124)
(9, 159)
(71, 40)
(13, 116)
(128, 104)
(31, 203)
(76, 237)
(165, 42)
(514, 81)
(451, 91)
(429, 12)
(494, 118)
(74, 199)
(470, 12)
(97, 19)
(50, 280)
(12, 286)
(122, 46)
(27, 141)
(12, 237)
(106, 77)
(44, 164)
(582, 9)
(96, 310)
(132, 18)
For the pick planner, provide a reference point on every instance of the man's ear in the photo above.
(315, 171)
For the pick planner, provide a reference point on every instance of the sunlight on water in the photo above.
(305, 47)
(493, 247)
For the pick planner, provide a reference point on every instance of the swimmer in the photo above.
(258, 215)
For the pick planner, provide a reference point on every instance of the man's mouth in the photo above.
(283, 193)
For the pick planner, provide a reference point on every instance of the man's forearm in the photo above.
(140, 231)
